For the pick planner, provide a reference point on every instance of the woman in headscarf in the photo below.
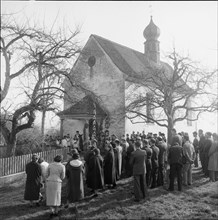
(56, 173)
(74, 174)
(109, 166)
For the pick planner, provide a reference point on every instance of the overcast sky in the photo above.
(189, 26)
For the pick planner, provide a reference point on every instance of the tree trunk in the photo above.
(169, 130)
(43, 123)
(11, 147)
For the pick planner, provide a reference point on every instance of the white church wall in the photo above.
(131, 92)
(106, 81)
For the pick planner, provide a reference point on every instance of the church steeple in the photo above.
(151, 34)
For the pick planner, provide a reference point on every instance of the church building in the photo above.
(103, 70)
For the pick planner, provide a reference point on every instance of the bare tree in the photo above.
(166, 95)
(41, 60)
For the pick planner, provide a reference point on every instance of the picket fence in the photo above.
(12, 165)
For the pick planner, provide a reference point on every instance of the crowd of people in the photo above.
(147, 157)
(51, 141)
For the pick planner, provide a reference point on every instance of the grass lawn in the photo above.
(199, 201)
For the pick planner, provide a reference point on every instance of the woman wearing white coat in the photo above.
(56, 173)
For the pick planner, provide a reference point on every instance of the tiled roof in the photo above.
(84, 107)
(136, 64)
(129, 61)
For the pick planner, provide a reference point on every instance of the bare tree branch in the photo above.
(172, 92)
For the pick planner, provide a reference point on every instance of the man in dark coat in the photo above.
(175, 161)
(109, 166)
(161, 160)
(154, 162)
(33, 181)
(130, 149)
(138, 160)
(148, 150)
(95, 172)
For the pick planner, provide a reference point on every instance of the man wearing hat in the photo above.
(33, 181)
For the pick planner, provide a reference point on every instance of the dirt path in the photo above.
(200, 201)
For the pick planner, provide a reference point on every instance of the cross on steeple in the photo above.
(150, 9)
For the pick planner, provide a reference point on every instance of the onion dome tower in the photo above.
(151, 34)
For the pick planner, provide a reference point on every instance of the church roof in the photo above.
(129, 61)
(136, 64)
(83, 109)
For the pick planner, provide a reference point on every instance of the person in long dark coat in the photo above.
(207, 145)
(161, 161)
(175, 161)
(155, 165)
(87, 157)
(33, 181)
(148, 150)
(109, 166)
(138, 160)
(95, 172)
(74, 174)
(130, 149)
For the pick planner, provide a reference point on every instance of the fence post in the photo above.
(1, 165)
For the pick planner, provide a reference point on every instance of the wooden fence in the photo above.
(12, 165)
